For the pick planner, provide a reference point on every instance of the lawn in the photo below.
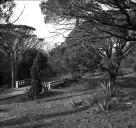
(58, 111)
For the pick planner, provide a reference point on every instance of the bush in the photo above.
(104, 94)
(34, 90)
(29, 93)
(45, 87)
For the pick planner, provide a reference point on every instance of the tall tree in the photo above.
(56, 59)
(110, 26)
(111, 50)
(80, 55)
(14, 39)
(113, 14)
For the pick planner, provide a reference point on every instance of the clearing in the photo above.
(58, 111)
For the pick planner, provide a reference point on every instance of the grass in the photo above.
(57, 111)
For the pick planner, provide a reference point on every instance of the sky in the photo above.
(32, 16)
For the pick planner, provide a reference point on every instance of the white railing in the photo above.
(52, 84)
(49, 84)
(20, 83)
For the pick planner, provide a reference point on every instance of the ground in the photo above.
(58, 110)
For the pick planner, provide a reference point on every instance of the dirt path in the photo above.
(12, 92)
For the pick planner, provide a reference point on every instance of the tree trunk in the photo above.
(12, 75)
(113, 78)
(113, 75)
(16, 72)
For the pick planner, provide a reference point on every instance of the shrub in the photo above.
(29, 93)
(104, 94)
(33, 92)
(45, 87)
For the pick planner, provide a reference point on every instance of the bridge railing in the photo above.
(49, 84)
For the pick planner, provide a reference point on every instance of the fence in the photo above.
(51, 83)
(21, 83)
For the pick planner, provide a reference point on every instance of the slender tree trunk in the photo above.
(16, 71)
(12, 75)
(113, 75)
(113, 78)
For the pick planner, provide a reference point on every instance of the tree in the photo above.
(80, 55)
(56, 60)
(15, 39)
(112, 50)
(108, 25)
(4, 70)
(113, 14)
(27, 61)
(39, 64)
(6, 10)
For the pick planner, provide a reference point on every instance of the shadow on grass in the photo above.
(65, 97)
(129, 82)
(119, 107)
(24, 98)
(46, 125)
(55, 98)
(52, 96)
(29, 118)
(4, 110)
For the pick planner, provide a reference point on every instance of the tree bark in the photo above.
(113, 75)
(113, 78)
(12, 74)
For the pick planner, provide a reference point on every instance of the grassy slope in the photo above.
(58, 112)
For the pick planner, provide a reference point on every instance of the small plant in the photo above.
(103, 96)
(29, 93)
(106, 87)
(45, 87)
(77, 103)
(33, 92)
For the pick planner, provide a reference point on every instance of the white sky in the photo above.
(32, 16)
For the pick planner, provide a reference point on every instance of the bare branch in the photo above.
(19, 16)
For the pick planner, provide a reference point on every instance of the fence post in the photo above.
(16, 84)
(49, 86)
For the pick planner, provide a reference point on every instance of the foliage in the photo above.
(108, 25)
(29, 93)
(34, 91)
(45, 87)
(57, 61)
(38, 65)
(35, 71)
(6, 10)
(4, 71)
(15, 39)
(27, 60)
(112, 15)
(79, 55)
(104, 93)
